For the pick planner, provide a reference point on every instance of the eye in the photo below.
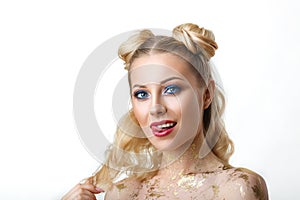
(172, 89)
(141, 94)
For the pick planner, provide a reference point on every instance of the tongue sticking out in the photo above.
(163, 127)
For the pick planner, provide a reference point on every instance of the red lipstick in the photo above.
(162, 128)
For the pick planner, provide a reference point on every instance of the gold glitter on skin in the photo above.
(194, 186)
(190, 182)
(258, 192)
(121, 186)
(134, 196)
(225, 167)
(244, 170)
(245, 177)
(174, 177)
(216, 190)
(155, 195)
(151, 189)
(241, 173)
(199, 180)
(187, 182)
(175, 193)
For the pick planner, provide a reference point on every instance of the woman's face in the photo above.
(167, 100)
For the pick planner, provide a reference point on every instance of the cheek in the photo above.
(173, 105)
(141, 112)
(191, 110)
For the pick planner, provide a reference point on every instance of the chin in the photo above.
(171, 145)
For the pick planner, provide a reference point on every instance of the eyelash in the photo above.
(169, 90)
(143, 92)
(175, 89)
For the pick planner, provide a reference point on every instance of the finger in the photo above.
(80, 188)
(91, 188)
(86, 195)
(80, 194)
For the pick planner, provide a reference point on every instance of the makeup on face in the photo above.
(165, 100)
(169, 89)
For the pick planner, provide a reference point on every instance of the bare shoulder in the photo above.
(125, 189)
(243, 183)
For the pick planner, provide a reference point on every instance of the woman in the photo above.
(173, 143)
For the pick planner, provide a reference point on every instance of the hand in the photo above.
(82, 191)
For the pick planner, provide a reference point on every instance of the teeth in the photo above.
(167, 125)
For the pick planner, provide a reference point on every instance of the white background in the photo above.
(44, 43)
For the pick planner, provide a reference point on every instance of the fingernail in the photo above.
(99, 189)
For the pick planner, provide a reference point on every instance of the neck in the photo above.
(186, 159)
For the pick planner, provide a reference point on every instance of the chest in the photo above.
(183, 187)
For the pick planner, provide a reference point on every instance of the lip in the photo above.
(158, 132)
(161, 122)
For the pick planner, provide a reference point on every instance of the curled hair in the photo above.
(131, 151)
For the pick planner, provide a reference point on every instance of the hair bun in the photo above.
(128, 48)
(193, 36)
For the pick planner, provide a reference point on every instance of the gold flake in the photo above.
(187, 182)
(175, 192)
(245, 177)
(121, 186)
(155, 195)
(259, 194)
(215, 189)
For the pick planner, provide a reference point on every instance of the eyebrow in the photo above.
(162, 82)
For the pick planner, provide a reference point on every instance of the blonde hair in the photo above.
(131, 152)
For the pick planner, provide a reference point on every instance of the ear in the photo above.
(209, 94)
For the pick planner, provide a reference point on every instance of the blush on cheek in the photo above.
(140, 115)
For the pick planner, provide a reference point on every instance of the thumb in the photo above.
(98, 190)
(91, 188)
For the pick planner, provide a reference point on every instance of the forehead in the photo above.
(157, 67)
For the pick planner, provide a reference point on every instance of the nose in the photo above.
(158, 110)
(157, 105)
